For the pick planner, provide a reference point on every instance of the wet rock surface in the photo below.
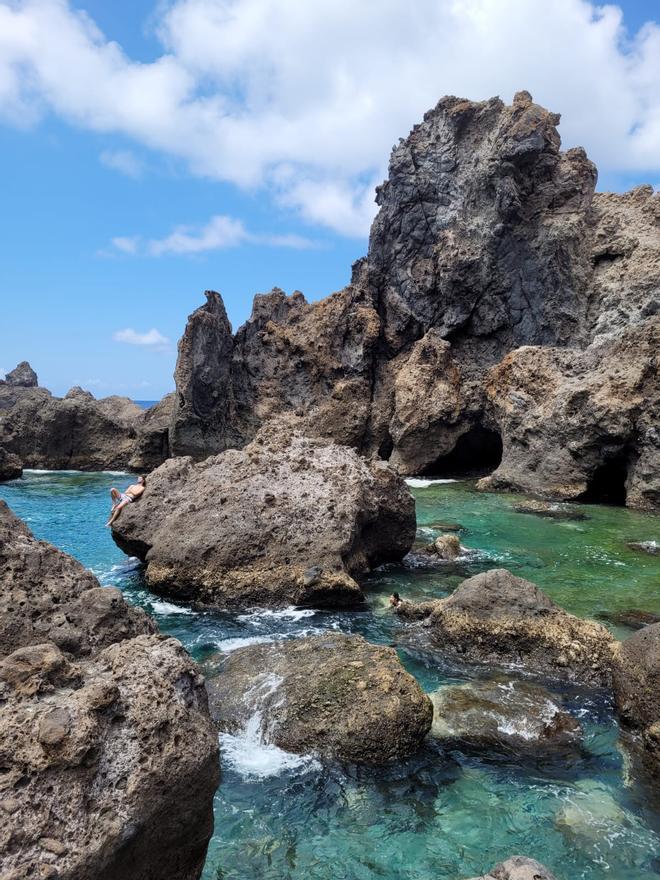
(109, 756)
(637, 688)
(503, 714)
(287, 520)
(446, 547)
(333, 695)
(497, 619)
(518, 868)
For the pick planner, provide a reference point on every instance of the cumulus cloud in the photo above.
(219, 233)
(306, 99)
(151, 339)
(123, 161)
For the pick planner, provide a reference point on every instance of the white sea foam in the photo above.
(160, 606)
(419, 483)
(291, 612)
(252, 758)
(233, 644)
(247, 752)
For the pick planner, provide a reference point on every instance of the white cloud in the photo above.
(151, 339)
(219, 233)
(306, 99)
(123, 161)
(126, 244)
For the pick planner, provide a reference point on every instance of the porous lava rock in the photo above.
(333, 695)
(497, 619)
(108, 752)
(286, 520)
(637, 688)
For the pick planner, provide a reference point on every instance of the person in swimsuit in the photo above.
(395, 600)
(121, 499)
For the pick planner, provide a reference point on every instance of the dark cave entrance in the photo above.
(607, 484)
(477, 453)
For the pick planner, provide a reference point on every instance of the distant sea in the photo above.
(145, 404)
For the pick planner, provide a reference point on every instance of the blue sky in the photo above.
(275, 118)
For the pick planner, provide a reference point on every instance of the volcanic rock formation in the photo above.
(109, 756)
(11, 466)
(504, 311)
(332, 695)
(499, 620)
(284, 520)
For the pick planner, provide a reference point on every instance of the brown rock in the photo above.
(497, 619)
(518, 868)
(247, 527)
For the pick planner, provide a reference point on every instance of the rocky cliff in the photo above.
(77, 431)
(505, 318)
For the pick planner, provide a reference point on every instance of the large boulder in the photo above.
(333, 695)
(497, 619)
(518, 868)
(108, 752)
(285, 520)
(637, 688)
(503, 715)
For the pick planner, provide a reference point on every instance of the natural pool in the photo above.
(444, 814)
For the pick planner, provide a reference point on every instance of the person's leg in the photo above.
(116, 511)
(115, 494)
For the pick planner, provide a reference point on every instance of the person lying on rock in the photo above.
(121, 499)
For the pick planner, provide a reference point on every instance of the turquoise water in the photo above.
(445, 813)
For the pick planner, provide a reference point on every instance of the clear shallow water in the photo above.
(444, 814)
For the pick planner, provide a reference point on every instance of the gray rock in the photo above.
(22, 376)
(245, 527)
(332, 695)
(10, 465)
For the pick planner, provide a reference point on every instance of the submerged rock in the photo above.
(108, 752)
(446, 547)
(518, 868)
(11, 466)
(503, 714)
(551, 511)
(333, 695)
(633, 618)
(495, 618)
(637, 688)
(287, 520)
(650, 547)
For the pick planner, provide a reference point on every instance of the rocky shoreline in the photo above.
(504, 324)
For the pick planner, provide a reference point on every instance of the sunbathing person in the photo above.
(121, 499)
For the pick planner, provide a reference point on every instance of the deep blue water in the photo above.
(443, 814)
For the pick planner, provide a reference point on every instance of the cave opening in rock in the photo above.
(477, 452)
(607, 484)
